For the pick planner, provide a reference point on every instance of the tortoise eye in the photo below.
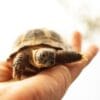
(43, 55)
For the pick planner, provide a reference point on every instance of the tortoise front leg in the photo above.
(22, 67)
(19, 64)
(67, 56)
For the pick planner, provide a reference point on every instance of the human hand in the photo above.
(47, 85)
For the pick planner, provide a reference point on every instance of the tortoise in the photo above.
(40, 49)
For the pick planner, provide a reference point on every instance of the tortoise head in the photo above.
(44, 57)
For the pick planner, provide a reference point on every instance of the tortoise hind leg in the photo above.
(67, 57)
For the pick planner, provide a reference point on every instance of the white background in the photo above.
(63, 16)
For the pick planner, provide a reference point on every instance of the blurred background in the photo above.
(65, 17)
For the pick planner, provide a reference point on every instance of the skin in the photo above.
(47, 85)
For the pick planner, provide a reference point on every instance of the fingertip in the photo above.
(77, 33)
(94, 48)
(90, 53)
(76, 41)
(5, 72)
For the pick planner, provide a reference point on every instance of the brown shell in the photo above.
(38, 37)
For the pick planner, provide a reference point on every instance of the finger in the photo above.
(76, 41)
(5, 72)
(90, 54)
(77, 67)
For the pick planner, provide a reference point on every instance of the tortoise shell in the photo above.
(39, 37)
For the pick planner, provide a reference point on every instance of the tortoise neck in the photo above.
(67, 57)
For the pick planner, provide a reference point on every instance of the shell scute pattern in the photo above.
(37, 37)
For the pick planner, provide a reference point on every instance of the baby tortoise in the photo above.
(39, 49)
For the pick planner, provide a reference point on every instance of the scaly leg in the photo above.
(22, 66)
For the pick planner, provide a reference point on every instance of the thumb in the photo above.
(48, 85)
